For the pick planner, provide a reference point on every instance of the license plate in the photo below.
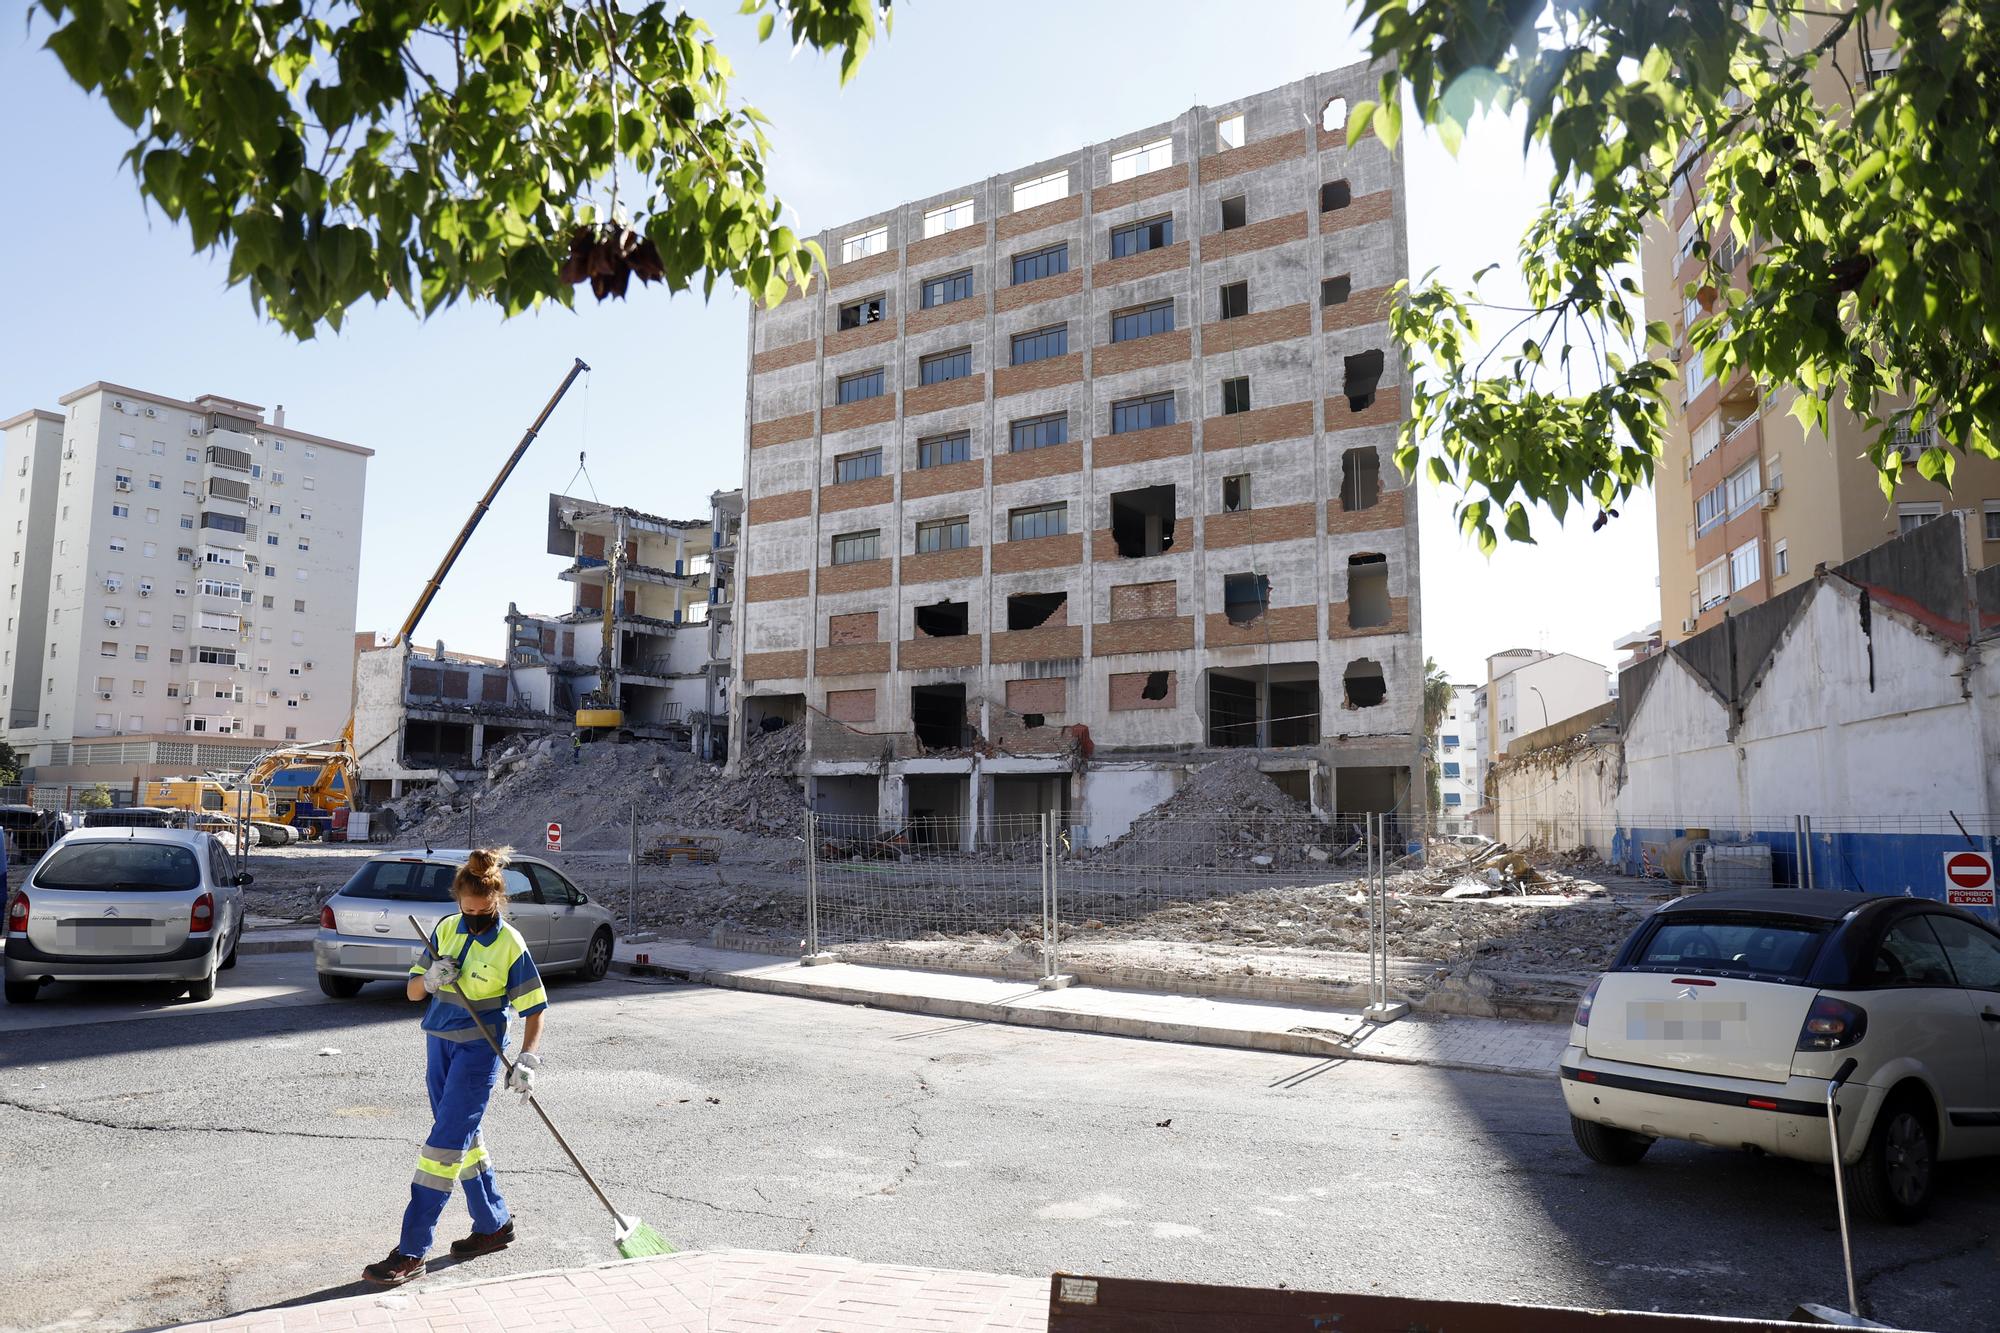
(111, 934)
(1684, 1020)
(374, 955)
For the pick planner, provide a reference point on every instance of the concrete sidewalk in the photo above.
(700, 1290)
(1486, 1045)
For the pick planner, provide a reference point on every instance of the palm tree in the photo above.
(1437, 702)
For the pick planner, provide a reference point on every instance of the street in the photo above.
(166, 1161)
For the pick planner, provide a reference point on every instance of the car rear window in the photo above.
(120, 867)
(402, 881)
(1776, 947)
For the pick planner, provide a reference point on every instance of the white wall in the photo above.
(1559, 803)
(1115, 795)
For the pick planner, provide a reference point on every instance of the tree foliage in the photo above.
(428, 151)
(1867, 197)
(1437, 703)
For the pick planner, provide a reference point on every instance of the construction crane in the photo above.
(296, 784)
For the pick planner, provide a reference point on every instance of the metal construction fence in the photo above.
(1016, 891)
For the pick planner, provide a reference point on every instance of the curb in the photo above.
(248, 945)
(1296, 1042)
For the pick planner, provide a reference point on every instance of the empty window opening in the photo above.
(1031, 610)
(1235, 212)
(1376, 791)
(1232, 710)
(1360, 479)
(1245, 597)
(1367, 591)
(1295, 783)
(937, 715)
(1155, 686)
(1364, 371)
(1333, 195)
(1363, 683)
(943, 620)
(1235, 395)
(1235, 300)
(1142, 521)
(1229, 133)
(1236, 493)
(1294, 713)
(1031, 720)
(857, 313)
(1267, 706)
(1335, 291)
(1333, 116)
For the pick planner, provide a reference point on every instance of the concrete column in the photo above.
(976, 795)
(395, 789)
(478, 744)
(892, 802)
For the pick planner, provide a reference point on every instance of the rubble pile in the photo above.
(1227, 816)
(765, 796)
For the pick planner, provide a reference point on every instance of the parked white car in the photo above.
(1726, 1014)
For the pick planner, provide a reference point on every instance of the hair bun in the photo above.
(482, 870)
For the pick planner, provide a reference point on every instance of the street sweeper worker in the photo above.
(476, 961)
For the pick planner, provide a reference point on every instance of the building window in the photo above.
(852, 548)
(945, 534)
(1706, 437)
(1781, 558)
(1745, 566)
(107, 649)
(1155, 409)
(1452, 798)
(1040, 344)
(298, 604)
(1038, 521)
(270, 539)
(1335, 195)
(1236, 395)
(852, 316)
(1236, 493)
(1708, 510)
(951, 287)
(1910, 517)
(866, 244)
(1449, 741)
(1141, 237)
(944, 449)
(1743, 487)
(121, 511)
(1235, 300)
(223, 522)
(949, 217)
(858, 467)
(1992, 519)
(1235, 212)
(1229, 133)
(1451, 768)
(1042, 190)
(1142, 321)
(1038, 432)
(854, 388)
(943, 366)
(1138, 161)
(1714, 585)
(1043, 263)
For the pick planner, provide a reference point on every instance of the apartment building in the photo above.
(1749, 501)
(1529, 689)
(711, 722)
(1063, 481)
(181, 584)
(1457, 759)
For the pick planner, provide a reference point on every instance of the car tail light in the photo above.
(1832, 1025)
(17, 913)
(326, 918)
(1583, 1005)
(202, 918)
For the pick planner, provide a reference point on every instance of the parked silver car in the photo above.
(125, 904)
(365, 934)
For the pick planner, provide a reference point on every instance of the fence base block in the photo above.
(816, 959)
(1060, 981)
(1388, 1011)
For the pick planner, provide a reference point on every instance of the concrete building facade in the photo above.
(1749, 502)
(1062, 480)
(1528, 690)
(1457, 759)
(711, 722)
(182, 584)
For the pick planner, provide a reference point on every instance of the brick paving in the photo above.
(715, 1291)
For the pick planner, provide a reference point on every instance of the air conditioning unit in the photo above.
(121, 485)
(1687, 627)
(104, 694)
(194, 431)
(153, 412)
(117, 404)
(306, 697)
(111, 585)
(1769, 499)
(309, 666)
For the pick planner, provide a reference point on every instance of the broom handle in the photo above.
(508, 1065)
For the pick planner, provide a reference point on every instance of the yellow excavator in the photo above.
(600, 711)
(299, 787)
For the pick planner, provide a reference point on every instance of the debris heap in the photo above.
(1228, 815)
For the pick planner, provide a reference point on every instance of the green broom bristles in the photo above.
(638, 1241)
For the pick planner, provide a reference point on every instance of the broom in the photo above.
(635, 1240)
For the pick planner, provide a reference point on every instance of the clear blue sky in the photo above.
(99, 289)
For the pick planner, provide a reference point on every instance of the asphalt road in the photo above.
(162, 1162)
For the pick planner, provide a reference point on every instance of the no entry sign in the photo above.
(555, 837)
(1968, 879)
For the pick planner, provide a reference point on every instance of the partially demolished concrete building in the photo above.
(1066, 480)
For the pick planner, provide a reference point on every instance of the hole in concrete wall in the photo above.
(1335, 291)
(937, 715)
(1297, 784)
(1142, 521)
(1266, 706)
(1235, 212)
(1235, 299)
(1155, 686)
(1245, 597)
(772, 712)
(1367, 590)
(1363, 683)
(1333, 195)
(943, 620)
(1236, 493)
(1031, 720)
(1232, 710)
(1235, 395)
(1360, 479)
(1364, 372)
(1333, 116)
(1027, 610)
(1295, 713)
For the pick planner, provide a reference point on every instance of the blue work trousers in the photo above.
(460, 1076)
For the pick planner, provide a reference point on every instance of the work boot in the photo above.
(394, 1271)
(484, 1242)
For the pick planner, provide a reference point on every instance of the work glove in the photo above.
(521, 1078)
(440, 974)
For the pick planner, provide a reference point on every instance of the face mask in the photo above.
(478, 925)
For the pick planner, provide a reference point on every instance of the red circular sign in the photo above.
(1968, 870)
(555, 830)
